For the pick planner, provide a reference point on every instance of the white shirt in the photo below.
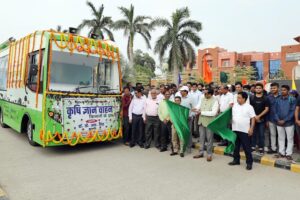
(225, 101)
(160, 97)
(195, 96)
(137, 106)
(241, 116)
(151, 107)
(235, 99)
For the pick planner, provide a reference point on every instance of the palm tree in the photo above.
(180, 36)
(100, 24)
(131, 26)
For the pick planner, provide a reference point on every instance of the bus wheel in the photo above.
(1, 120)
(29, 132)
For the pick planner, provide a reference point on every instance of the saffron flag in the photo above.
(179, 117)
(244, 81)
(220, 127)
(294, 85)
(207, 74)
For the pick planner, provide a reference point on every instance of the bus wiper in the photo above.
(81, 87)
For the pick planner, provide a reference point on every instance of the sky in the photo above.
(236, 25)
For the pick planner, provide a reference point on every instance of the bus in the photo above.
(61, 88)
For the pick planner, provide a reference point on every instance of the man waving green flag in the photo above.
(179, 117)
(220, 127)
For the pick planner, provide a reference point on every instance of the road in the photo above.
(113, 171)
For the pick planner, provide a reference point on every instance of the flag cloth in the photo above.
(207, 74)
(244, 81)
(179, 78)
(220, 127)
(179, 117)
(294, 85)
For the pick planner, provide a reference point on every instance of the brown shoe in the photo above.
(198, 156)
(209, 158)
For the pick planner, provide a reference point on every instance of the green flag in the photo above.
(220, 127)
(179, 116)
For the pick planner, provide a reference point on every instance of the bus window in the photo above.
(33, 72)
(3, 72)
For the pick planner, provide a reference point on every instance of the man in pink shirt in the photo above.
(152, 120)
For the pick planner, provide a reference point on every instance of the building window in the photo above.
(225, 63)
(274, 68)
(259, 68)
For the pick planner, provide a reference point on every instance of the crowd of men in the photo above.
(264, 122)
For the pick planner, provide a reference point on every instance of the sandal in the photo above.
(279, 156)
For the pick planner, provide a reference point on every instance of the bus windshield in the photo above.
(80, 73)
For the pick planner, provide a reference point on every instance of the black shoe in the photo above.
(131, 145)
(141, 145)
(223, 143)
(261, 151)
(173, 154)
(181, 155)
(157, 146)
(249, 167)
(147, 147)
(271, 152)
(234, 163)
(163, 149)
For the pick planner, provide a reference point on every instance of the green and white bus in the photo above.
(60, 88)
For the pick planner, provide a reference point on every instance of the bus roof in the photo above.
(58, 35)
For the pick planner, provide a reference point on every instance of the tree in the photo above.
(180, 36)
(99, 24)
(133, 25)
(143, 74)
(240, 73)
(144, 59)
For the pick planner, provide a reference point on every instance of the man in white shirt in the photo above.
(196, 96)
(226, 101)
(160, 96)
(243, 122)
(152, 120)
(136, 116)
(238, 88)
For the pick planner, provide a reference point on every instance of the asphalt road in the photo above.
(113, 171)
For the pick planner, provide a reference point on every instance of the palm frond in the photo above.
(91, 5)
(191, 24)
(191, 35)
(109, 33)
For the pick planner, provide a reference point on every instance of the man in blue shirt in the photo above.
(284, 116)
(273, 97)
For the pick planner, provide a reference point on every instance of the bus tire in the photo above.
(2, 120)
(29, 132)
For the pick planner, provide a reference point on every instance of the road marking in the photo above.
(295, 168)
(267, 161)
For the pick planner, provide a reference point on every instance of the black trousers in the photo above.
(126, 129)
(137, 130)
(152, 126)
(244, 140)
(165, 134)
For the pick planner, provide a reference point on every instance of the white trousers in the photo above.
(286, 132)
(273, 134)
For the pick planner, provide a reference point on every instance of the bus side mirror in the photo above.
(33, 70)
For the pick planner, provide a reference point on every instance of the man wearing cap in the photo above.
(187, 102)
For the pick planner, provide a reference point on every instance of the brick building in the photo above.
(267, 64)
